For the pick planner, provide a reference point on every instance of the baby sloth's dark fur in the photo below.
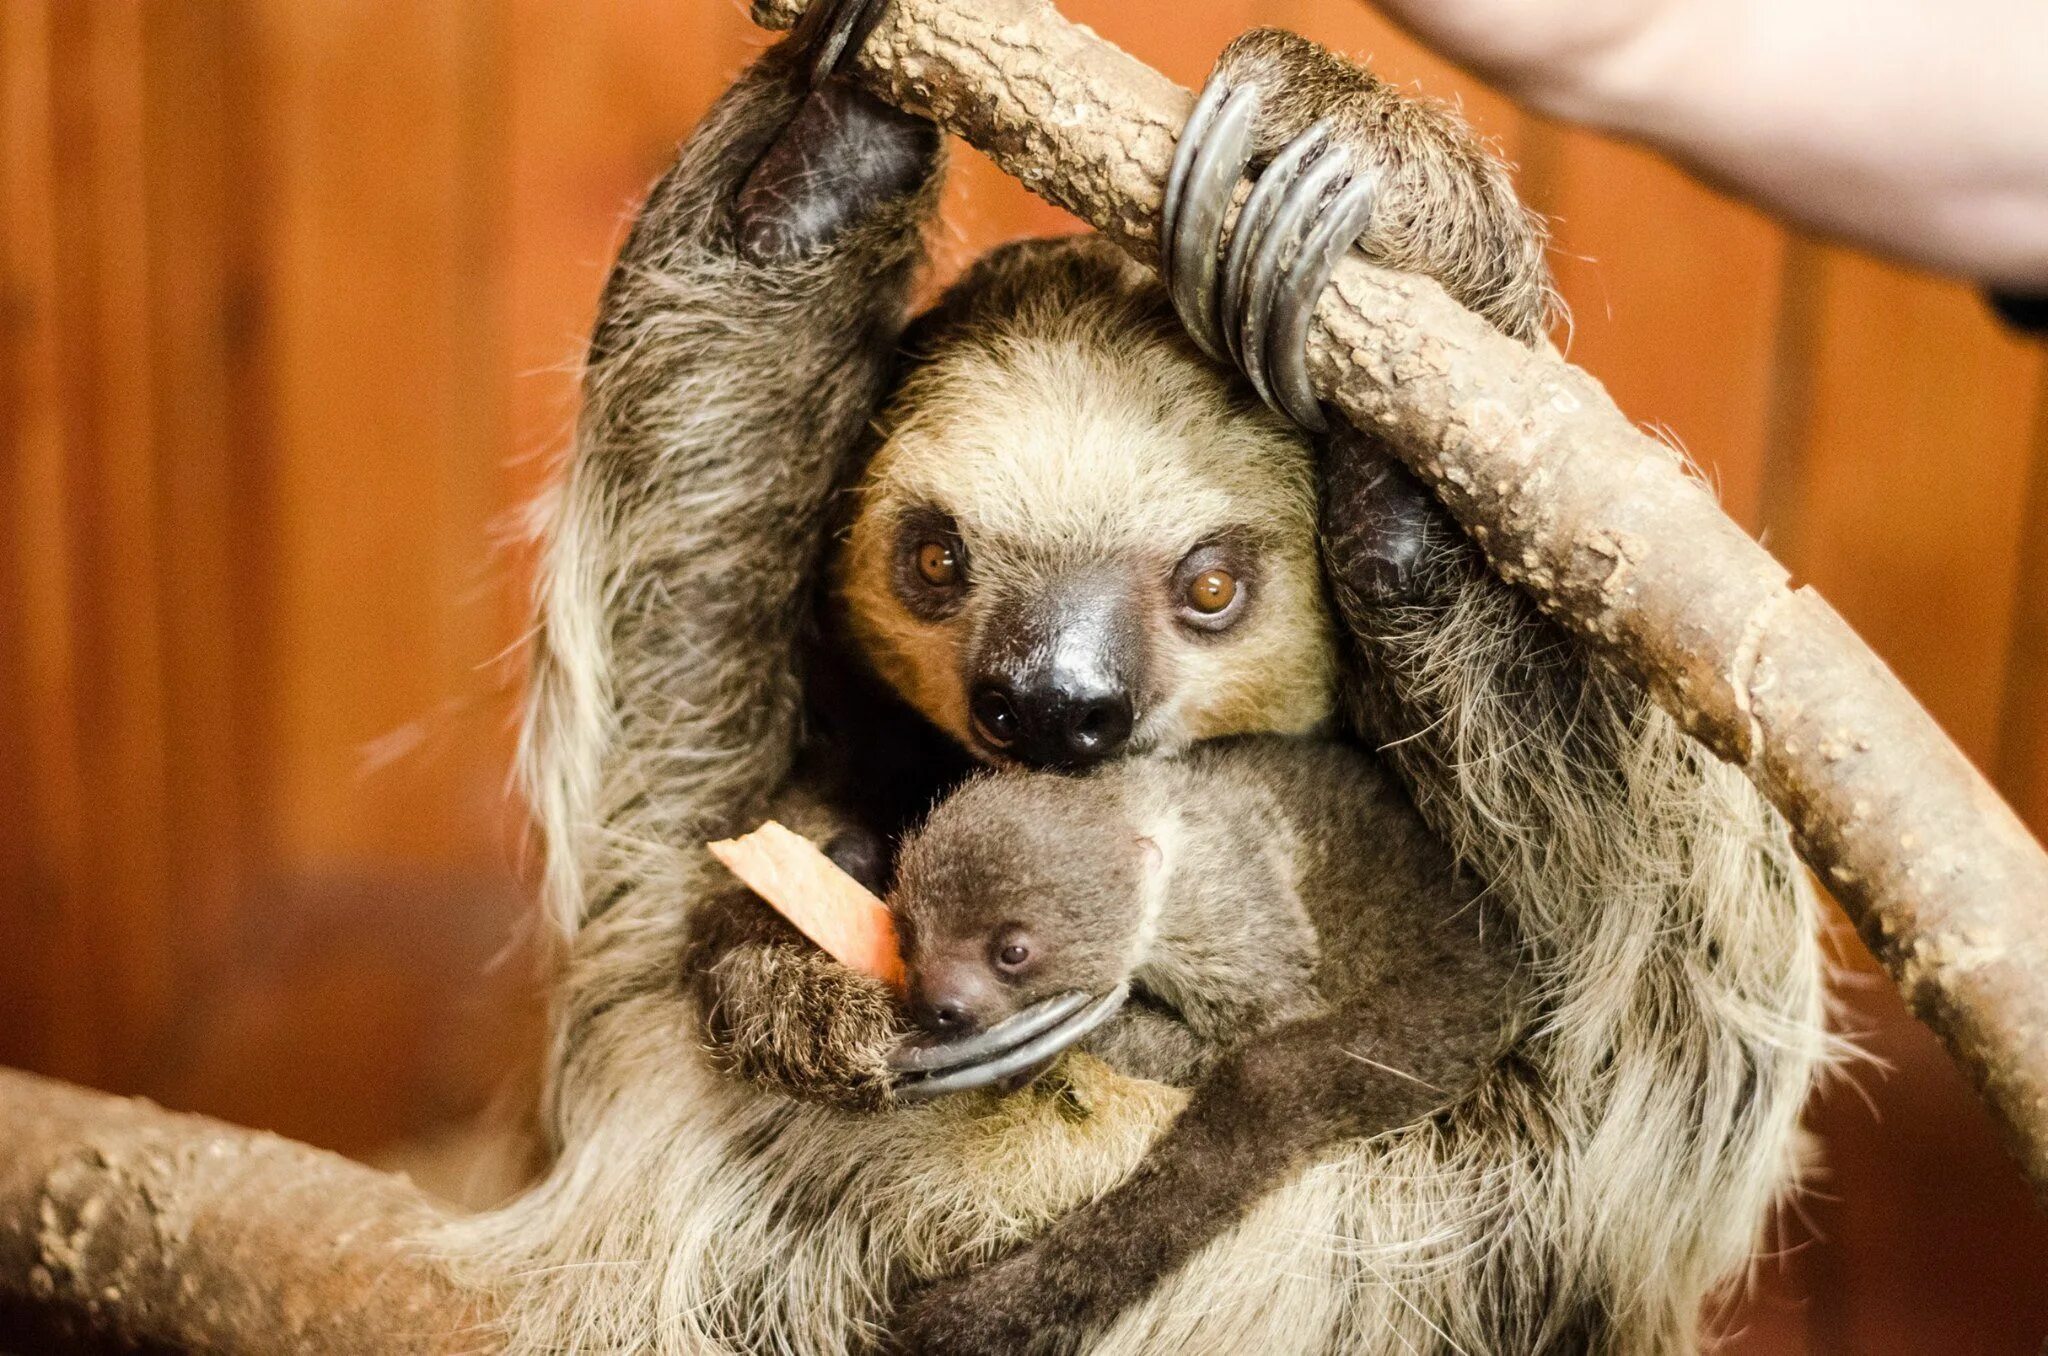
(1297, 939)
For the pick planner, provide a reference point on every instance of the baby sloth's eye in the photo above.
(938, 564)
(1012, 949)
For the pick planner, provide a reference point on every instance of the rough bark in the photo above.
(124, 1227)
(1600, 523)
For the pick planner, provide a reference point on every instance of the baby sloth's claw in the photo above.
(1308, 207)
(1018, 1047)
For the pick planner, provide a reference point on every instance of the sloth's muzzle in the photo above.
(1053, 680)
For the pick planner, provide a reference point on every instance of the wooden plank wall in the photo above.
(290, 297)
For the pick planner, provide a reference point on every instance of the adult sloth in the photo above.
(1060, 503)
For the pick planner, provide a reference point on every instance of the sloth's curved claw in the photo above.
(1208, 161)
(1340, 225)
(1304, 179)
(845, 24)
(1251, 229)
(930, 1057)
(1250, 302)
(1015, 1048)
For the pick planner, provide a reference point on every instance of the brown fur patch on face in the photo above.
(1063, 422)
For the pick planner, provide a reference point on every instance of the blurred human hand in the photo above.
(1530, 48)
(1918, 129)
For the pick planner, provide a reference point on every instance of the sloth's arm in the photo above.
(1146, 1041)
(1263, 1114)
(742, 344)
(1511, 739)
(1502, 727)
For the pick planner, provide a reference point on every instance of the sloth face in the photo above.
(1019, 887)
(1076, 544)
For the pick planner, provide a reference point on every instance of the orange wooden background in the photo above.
(290, 293)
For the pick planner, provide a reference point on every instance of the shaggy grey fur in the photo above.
(1586, 1196)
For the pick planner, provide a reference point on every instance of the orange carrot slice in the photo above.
(827, 905)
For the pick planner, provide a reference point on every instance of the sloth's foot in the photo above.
(843, 154)
(1247, 294)
(793, 1019)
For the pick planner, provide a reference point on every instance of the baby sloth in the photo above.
(1264, 917)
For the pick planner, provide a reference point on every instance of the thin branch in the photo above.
(126, 1227)
(1601, 525)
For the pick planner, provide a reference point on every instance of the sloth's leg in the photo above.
(1346, 159)
(1263, 1114)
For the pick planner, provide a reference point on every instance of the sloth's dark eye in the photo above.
(931, 565)
(1012, 949)
(1211, 591)
(938, 564)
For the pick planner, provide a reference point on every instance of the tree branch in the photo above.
(1601, 524)
(126, 1227)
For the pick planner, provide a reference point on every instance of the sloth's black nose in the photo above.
(943, 1020)
(1051, 724)
(952, 996)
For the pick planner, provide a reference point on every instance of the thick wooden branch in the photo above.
(1600, 523)
(126, 1227)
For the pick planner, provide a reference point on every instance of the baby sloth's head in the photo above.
(1077, 538)
(1019, 888)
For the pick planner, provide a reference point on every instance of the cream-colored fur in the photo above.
(1060, 434)
(1625, 1159)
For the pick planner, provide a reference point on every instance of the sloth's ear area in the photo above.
(843, 156)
